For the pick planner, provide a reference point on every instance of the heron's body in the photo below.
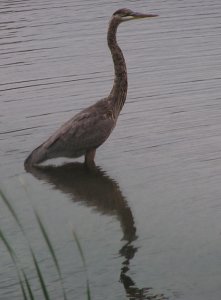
(90, 128)
(79, 136)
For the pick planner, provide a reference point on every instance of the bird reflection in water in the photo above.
(94, 188)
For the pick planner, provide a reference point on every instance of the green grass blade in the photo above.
(47, 240)
(23, 289)
(10, 208)
(13, 257)
(84, 263)
(31, 296)
(51, 250)
(41, 279)
(8, 247)
(79, 248)
(39, 273)
(88, 291)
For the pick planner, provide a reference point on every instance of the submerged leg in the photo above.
(89, 158)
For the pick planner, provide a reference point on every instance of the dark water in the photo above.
(149, 217)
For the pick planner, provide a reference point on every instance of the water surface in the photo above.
(148, 217)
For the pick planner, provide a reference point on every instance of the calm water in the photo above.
(148, 217)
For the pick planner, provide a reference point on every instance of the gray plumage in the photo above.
(90, 128)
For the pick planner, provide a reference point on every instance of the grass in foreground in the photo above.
(23, 279)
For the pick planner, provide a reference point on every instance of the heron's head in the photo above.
(125, 14)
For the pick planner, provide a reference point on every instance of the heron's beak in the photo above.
(137, 15)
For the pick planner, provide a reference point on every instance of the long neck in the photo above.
(119, 91)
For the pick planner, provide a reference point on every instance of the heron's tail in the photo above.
(37, 156)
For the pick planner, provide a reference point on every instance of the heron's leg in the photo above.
(89, 157)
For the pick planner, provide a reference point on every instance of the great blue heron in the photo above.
(90, 128)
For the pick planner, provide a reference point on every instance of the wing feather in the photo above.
(87, 130)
